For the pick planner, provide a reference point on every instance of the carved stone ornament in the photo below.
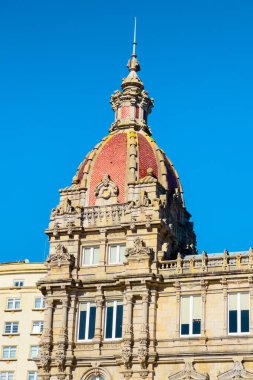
(44, 358)
(60, 357)
(139, 249)
(65, 207)
(126, 354)
(237, 372)
(188, 373)
(143, 356)
(106, 192)
(61, 254)
(149, 177)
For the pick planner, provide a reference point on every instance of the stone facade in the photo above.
(21, 314)
(127, 296)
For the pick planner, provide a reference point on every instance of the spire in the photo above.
(131, 105)
(134, 42)
(133, 63)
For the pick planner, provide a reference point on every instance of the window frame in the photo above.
(190, 316)
(29, 373)
(116, 303)
(87, 321)
(41, 323)
(2, 373)
(14, 300)
(118, 245)
(91, 261)
(238, 313)
(42, 303)
(12, 323)
(30, 351)
(10, 347)
(20, 282)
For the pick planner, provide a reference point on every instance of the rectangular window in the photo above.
(34, 351)
(13, 303)
(9, 352)
(11, 328)
(113, 320)
(87, 319)
(238, 313)
(39, 303)
(37, 327)
(191, 310)
(18, 283)
(116, 254)
(90, 256)
(32, 375)
(6, 375)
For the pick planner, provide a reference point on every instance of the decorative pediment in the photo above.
(106, 192)
(60, 256)
(189, 373)
(139, 249)
(237, 372)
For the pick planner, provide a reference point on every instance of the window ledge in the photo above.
(38, 309)
(35, 333)
(8, 360)
(112, 340)
(10, 334)
(13, 310)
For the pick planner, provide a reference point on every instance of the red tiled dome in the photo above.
(112, 157)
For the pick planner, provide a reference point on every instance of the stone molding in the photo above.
(188, 373)
(237, 372)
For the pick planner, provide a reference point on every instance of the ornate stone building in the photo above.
(127, 295)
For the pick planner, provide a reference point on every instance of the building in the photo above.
(21, 321)
(126, 294)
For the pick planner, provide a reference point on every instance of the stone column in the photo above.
(99, 313)
(103, 241)
(128, 330)
(225, 303)
(250, 279)
(144, 333)
(177, 291)
(126, 351)
(203, 296)
(145, 304)
(48, 320)
(64, 330)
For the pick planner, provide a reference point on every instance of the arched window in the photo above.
(96, 378)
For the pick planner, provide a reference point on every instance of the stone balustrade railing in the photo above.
(208, 263)
(97, 215)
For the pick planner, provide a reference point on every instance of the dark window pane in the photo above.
(119, 318)
(196, 326)
(82, 325)
(109, 316)
(244, 320)
(232, 321)
(185, 329)
(91, 331)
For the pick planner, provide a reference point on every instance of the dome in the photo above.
(125, 157)
(127, 180)
(128, 154)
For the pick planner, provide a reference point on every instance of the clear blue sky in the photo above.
(60, 62)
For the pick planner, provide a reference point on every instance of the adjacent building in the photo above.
(21, 319)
